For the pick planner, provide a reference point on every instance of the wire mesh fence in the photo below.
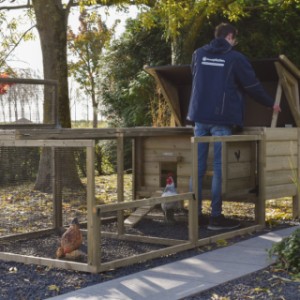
(28, 102)
(34, 181)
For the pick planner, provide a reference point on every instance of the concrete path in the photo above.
(189, 276)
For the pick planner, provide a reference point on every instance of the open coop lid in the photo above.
(175, 83)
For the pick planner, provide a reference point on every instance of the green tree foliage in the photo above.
(128, 89)
(182, 21)
(270, 30)
(86, 49)
(267, 23)
(10, 37)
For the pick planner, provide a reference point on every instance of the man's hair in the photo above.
(223, 29)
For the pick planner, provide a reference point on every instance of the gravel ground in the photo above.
(268, 284)
(33, 282)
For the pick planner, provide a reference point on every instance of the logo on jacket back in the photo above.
(217, 62)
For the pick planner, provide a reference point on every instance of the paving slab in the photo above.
(189, 276)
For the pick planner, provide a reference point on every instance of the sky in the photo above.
(28, 54)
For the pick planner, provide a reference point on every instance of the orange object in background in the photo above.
(4, 87)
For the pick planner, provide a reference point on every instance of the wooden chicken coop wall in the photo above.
(239, 168)
(281, 165)
(158, 156)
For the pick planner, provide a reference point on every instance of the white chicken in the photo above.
(168, 208)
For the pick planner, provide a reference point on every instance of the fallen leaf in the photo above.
(53, 287)
(13, 270)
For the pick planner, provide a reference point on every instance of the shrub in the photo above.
(288, 252)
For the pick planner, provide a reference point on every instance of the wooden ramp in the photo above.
(137, 215)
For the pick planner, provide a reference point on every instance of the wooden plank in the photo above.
(193, 206)
(168, 143)
(7, 134)
(224, 169)
(171, 94)
(45, 143)
(169, 157)
(289, 65)
(137, 165)
(143, 239)
(260, 205)
(145, 256)
(281, 134)
(93, 225)
(296, 198)
(277, 148)
(279, 191)
(151, 168)
(144, 193)
(238, 170)
(241, 195)
(279, 177)
(230, 138)
(290, 85)
(143, 202)
(56, 180)
(28, 235)
(53, 263)
(156, 131)
(158, 155)
(120, 181)
(184, 170)
(280, 163)
(239, 184)
(99, 133)
(294, 88)
(277, 102)
(229, 234)
(239, 152)
(137, 215)
(183, 181)
(152, 181)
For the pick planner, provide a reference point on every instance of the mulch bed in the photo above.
(111, 249)
(19, 281)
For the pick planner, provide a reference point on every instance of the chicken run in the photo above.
(260, 163)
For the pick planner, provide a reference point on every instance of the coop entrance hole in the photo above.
(165, 169)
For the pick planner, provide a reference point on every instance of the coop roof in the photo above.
(175, 83)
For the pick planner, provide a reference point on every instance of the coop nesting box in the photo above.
(264, 163)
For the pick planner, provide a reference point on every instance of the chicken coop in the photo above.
(259, 163)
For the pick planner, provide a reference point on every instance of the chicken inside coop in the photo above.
(170, 207)
(71, 240)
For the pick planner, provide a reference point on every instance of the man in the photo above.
(220, 77)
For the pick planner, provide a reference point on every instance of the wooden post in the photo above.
(193, 205)
(137, 167)
(93, 235)
(56, 187)
(277, 102)
(224, 167)
(290, 88)
(296, 199)
(260, 204)
(120, 180)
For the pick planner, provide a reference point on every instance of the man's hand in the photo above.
(276, 108)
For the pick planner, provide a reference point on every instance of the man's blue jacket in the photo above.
(221, 76)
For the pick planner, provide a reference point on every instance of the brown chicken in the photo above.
(71, 240)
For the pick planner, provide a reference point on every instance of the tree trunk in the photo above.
(95, 109)
(52, 20)
(183, 45)
(181, 51)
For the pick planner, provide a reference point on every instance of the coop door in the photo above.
(165, 169)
